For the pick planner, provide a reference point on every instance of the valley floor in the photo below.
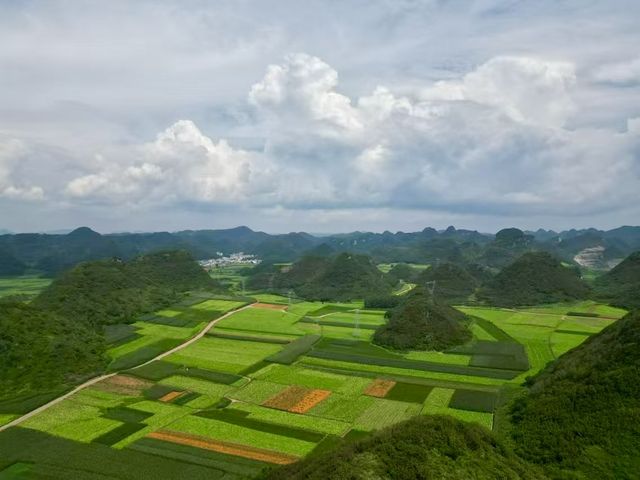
(272, 383)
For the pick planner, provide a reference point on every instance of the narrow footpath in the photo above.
(94, 380)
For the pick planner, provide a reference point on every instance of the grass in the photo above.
(336, 332)
(437, 404)
(346, 408)
(256, 337)
(293, 420)
(293, 350)
(224, 355)
(243, 419)
(196, 385)
(408, 392)
(73, 421)
(382, 413)
(376, 370)
(242, 467)
(143, 354)
(119, 333)
(262, 321)
(474, 401)
(126, 414)
(328, 309)
(27, 285)
(119, 433)
(324, 322)
(160, 369)
(315, 379)
(256, 391)
(224, 431)
(225, 373)
(54, 457)
(415, 365)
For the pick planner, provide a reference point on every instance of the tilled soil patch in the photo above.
(229, 448)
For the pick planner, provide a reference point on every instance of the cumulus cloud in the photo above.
(492, 140)
(304, 85)
(13, 184)
(622, 73)
(182, 164)
(527, 90)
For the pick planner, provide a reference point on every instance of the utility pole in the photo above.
(356, 330)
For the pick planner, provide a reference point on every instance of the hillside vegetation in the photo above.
(424, 447)
(58, 338)
(581, 418)
(453, 283)
(621, 285)
(420, 323)
(343, 277)
(40, 350)
(112, 291)
(534, 278)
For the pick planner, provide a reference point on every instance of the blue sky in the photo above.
(319, 116)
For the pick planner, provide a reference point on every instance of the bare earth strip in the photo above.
(310, 400)
(379, 388)
(95, 380)
(124, 385)
(229, 448)
(170, 396)
(297, 399)
(269, 306)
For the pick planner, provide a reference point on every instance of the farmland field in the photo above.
(269, 385)
(27, 285)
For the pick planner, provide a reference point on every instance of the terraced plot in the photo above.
(223, 406)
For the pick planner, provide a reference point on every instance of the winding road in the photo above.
(95, 380)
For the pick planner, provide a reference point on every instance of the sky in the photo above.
(319, 116)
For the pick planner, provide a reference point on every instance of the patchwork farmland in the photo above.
(275, 382)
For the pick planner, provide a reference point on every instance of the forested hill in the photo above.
(425, 447)
(453, 283)
(581, 418)
(113, 291)
(58, 337)
(621, 286)
(420, 323)
(532, 279)
(343, 277)
(52, 254)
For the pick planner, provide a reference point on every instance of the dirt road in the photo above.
(94, 380)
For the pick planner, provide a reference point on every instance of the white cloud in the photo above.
(304, 86)
(482, 142)
(528, 90)
(14, 185)
(182, 164)
(624, 73)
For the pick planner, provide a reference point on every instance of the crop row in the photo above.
(293, 350)
(416, 365)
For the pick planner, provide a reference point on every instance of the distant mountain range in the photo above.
(52, 253)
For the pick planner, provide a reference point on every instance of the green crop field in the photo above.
(27, 285)
(223, 354)
(262, 321)
(216, 387)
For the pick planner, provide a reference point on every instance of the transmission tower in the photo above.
(290, 294)
(356, 329)
(431, 287)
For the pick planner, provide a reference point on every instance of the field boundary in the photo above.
(95, 380)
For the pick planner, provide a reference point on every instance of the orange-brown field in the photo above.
(124, 385)
(229, 448)
(297, 399)
(269, 306)
(170, 396)
(379, 388)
